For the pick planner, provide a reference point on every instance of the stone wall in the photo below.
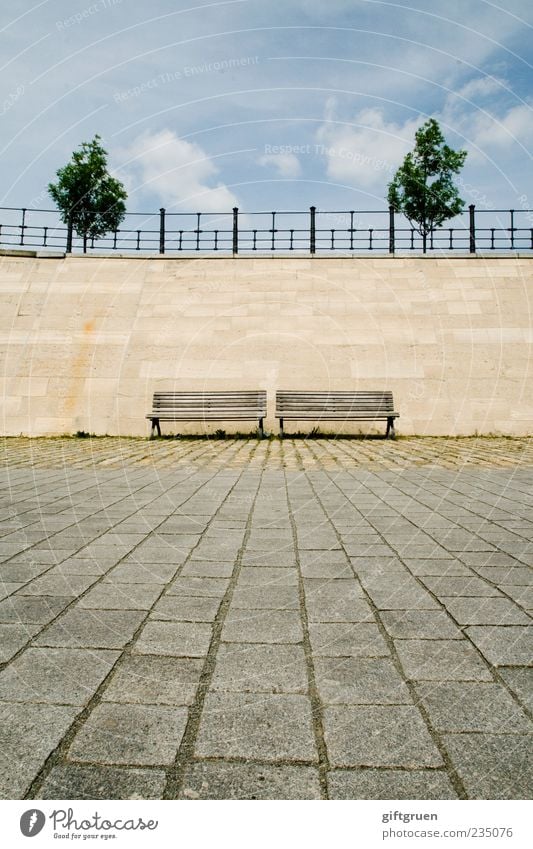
(85, 341)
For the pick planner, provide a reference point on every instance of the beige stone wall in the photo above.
(84, 342)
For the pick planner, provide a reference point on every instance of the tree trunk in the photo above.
(424, 241)
(85, 243)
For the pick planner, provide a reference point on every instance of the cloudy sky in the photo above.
(265, 105)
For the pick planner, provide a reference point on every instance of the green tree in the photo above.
(423, 187)
(86, 195)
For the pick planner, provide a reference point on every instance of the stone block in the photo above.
(140, 735)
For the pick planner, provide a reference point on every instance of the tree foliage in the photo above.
(423, 187)
(87, 195)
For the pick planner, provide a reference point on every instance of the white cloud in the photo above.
(494, 126)
(366, 151)
(481, 87)
(287, 164)
(179, 172)
(514, 127)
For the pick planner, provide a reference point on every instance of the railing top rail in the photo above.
(305, 211)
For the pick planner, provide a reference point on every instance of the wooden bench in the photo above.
(340, 406)
(206, 406)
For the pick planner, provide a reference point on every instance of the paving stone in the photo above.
(420, 624)
(58, 585)
(454, 706)
(504, 646)
(333, 557)
(13, 637)
(308, 540)
(121, 597)
(408, 598)
(6, 588)
(357, 550)
(216, 551)
(21, 572)
(198, 587)
(508, 575)
(389, 784)
(184, 609)
(82, 566)
(362, 539)
(28, 735)
(83, 781)
(178, 639)
(521, 682)
(227, 780)
(91, 628)
(482, 559)
(132, 734)
(146, 573)
(258, 626)
(254, 668)
(379, 735)
(492, 766)
(39, 557)
(439, 568)
(35, 609)
(269, 559)
(336, 601)
(422, 552)
(522, 595)
(341, 639)
(441, 660)
(323, 569)
(265, 598)
(208, 569)
(160, 552)
(378, 566)
(56, 676)
(267, 577)
(102, 559)
(273, 540)
(155, 680)
(485, 611)
(359, 681)
(257, 726)
(451, 587)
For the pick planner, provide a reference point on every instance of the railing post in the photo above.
(312, 230)
(512, 228)
(235, 229)
(23, 227)
(472, 210)
(162, 230)
(70, 228)
(391, 230)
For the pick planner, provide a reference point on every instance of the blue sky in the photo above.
(265, 105)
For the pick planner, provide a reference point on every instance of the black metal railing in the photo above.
(311, 231)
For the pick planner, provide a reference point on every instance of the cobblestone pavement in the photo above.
(244, 619)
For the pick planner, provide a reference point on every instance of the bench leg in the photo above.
(261, 428)
(155, 427)
(281, 428)
(391, 433)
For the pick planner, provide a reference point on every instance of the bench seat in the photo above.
(207, 406)
(336, 406)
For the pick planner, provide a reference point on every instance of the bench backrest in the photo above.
(334, 402)
(210, 404)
